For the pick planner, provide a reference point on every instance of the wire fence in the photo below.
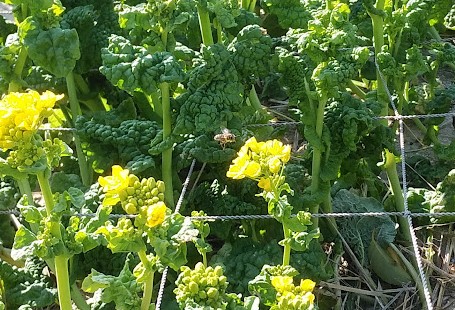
(406, 213)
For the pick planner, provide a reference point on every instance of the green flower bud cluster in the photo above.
(203, 286)
(291, 301)
(25, 155)
(140, 194)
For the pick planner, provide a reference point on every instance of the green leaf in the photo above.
(301, 241)
(386, 265)
(76, 196)
(358, 231)
(262, 287)
(298, 223)
(23, 246)
(30, 213)
(122, 290)
(56, 49)
(123, 237)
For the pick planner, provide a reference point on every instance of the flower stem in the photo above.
(166, 164)
(287, 247)
(205, 25)
(24, 188)
(254, 99)
(14, 85)
(61, 262)
(394, 181)
(148, 285)
(317, 157)
(76, 111)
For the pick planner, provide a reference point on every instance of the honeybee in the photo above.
(226, 136)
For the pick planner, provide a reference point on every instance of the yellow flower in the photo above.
(282, 283)
(252, 170)
(276, 148)
(114, 184)
(307, 285)
(156, 214)
(308, 298)
(265, 184)
(23, 112)
(274, 164)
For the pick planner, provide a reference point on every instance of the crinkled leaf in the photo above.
(56, 49)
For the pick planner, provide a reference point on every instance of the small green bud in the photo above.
(160, 186)
(151, 182)
(130, 208)
(202, 295)
(130, 191)
(213, 293)
(218, 270)
(155, 191)
(193, 287)
(222, 280)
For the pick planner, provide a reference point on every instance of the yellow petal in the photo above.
(307, 285)
(253, 170)
(265, 184)
(282, 283)
(274, 164)
(156, 214)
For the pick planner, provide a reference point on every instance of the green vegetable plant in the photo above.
(28, 153)
(149, 222)
(264, 162)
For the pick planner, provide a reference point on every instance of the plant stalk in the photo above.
(254, 99)
(317, 157)
(14, 85)
(61, 262)
(205, 25)
(287, 247)
(76, 111)
(148, 285)
(166, 164)
(395, 187)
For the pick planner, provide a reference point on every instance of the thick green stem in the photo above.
(317, 157)
(148, 285)
(14, 85)
(156, 102)
(287, 247)
(205, 25)
(94, 104)
(412, 272)
(356, 90)
(61, 262)
(395, 186)
(78, 298)
(24, 188)
(378, 42)
(76, 111)
(254, 99)
(390, 162)
(252, 5)
(166, 164)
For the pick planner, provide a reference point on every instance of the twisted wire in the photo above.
(415, 247)
(177, 209)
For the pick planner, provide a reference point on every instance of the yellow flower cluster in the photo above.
(261, 161)
(290, 296)
(21, 114)
(143, 197)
